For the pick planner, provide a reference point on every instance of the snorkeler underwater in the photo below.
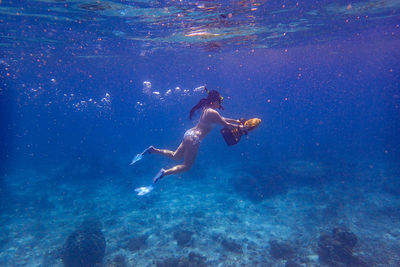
(187, 150)
(199, 133)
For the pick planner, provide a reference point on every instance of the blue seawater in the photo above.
(86, 85)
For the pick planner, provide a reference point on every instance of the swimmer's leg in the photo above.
(189, 156)
(149, 150)
(176, 155)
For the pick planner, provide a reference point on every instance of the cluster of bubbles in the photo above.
(162, 96)
(104, 104)
(41, 93)
(50, 94)
(149, 91)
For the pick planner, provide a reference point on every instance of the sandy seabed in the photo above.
(203, 216)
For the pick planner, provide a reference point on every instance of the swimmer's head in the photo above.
(213, 97)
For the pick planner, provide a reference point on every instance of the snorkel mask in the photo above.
(215, 96)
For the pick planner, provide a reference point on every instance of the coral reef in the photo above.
(85, 247)
(118, 261)
(281, 250)
(337, 249)
(192, 260)
(183, 238)
(291, 263)
(230, 245)
(136, 243)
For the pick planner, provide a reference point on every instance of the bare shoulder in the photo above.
(209, 112)
(211, 115)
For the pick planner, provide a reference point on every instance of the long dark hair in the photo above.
(212, 96)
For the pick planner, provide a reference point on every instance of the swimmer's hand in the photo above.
(244, 129)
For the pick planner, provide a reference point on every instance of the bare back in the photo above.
(207, 119)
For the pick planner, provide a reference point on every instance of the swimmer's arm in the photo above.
(215, 117)
(232, 123)
(232, 120)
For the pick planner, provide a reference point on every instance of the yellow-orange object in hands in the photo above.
(232, 136)
(252, 123)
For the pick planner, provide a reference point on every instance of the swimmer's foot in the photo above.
(149, 150)
(159, 175)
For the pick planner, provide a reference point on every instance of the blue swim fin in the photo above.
(158, 176)
(136, 158)
(141, 191)
(140, 155)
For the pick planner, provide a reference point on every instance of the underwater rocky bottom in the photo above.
(218, 222)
